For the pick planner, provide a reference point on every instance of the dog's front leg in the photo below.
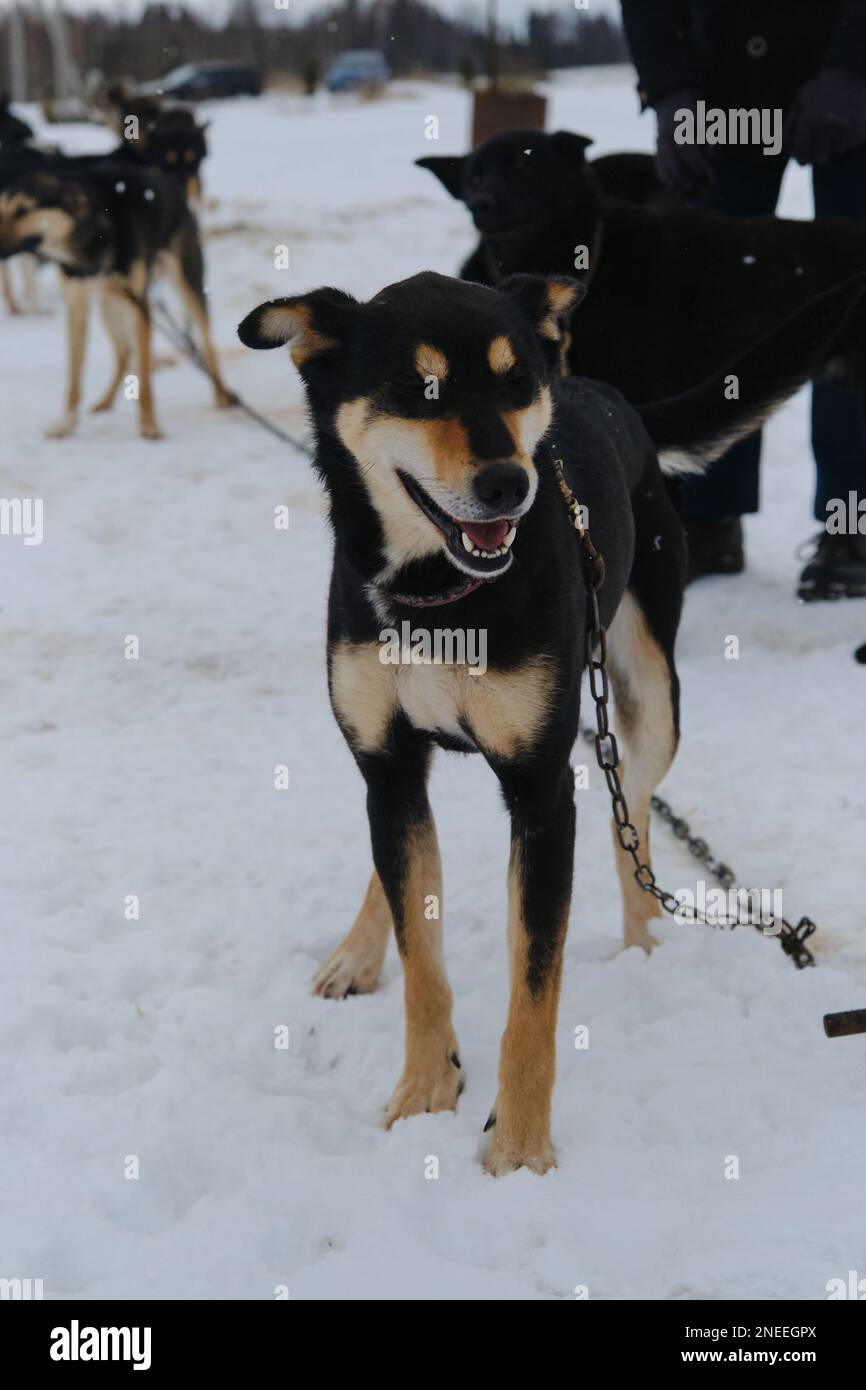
(6, 281)
(541, 801)
(406, 855)
(76, 294)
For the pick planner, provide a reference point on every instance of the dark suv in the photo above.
(204, 81)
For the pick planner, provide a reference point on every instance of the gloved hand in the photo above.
(681, 167)
(828, 116)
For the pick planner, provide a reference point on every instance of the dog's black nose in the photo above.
(503, 487)
(480, 202)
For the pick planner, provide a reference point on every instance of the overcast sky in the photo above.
(512, 12)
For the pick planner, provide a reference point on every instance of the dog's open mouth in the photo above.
(480, 548)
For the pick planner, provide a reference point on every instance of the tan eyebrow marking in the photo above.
(500, 355)
(429, 361)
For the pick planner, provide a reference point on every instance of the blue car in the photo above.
(356, 69)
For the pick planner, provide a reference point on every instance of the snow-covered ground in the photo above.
(260, 1167)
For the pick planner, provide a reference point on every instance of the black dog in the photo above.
(13, 130)
(438, 411)
(114, 224)
(674, 294)
(633, 177)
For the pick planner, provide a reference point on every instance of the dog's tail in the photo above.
(696, 427)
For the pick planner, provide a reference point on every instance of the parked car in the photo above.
(357, 68)
(204, 81)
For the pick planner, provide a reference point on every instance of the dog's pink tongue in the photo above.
(487, 535)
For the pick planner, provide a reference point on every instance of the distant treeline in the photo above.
(414, 37)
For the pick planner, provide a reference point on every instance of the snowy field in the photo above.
(153, 1038)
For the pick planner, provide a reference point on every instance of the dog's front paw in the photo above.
(509, 1151)
(224, 399)
(62, 428)
(348, 971)
(427, 1089)
(151, 430)
(638, 934)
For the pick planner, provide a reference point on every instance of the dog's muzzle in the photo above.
(479, 546)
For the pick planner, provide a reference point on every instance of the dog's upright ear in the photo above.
(547, 300)
(448, 169)
(311, 323)
(567, 143)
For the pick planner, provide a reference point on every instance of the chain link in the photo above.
(793, 939)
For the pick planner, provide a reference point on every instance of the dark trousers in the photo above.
(730, 485)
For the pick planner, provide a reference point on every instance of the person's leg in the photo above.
(711, 504)
(838, 418)
(838, 567)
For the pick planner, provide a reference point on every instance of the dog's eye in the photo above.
(171, 157)
(519, 385)
(18, 214)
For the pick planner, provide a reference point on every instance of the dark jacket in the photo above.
(741, 52)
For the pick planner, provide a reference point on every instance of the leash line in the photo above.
(793, 939)
(184, 343)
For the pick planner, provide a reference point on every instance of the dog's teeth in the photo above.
(474, 550)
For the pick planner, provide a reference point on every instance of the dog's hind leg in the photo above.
(355, 965)
(540, 797)
(30, 286)
(148, 427)
(644, 681)
(77, 296)
(116, 315)
(186, 266)
(643, 674)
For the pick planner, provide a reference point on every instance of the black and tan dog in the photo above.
(675, 291)
(438, 410)
(159, 135)
(112, 225)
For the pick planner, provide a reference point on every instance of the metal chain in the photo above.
(184, 342)
(793, 939)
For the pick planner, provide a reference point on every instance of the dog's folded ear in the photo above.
(448, 169)
(546, 299)
(566, 142)
(309, 323)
